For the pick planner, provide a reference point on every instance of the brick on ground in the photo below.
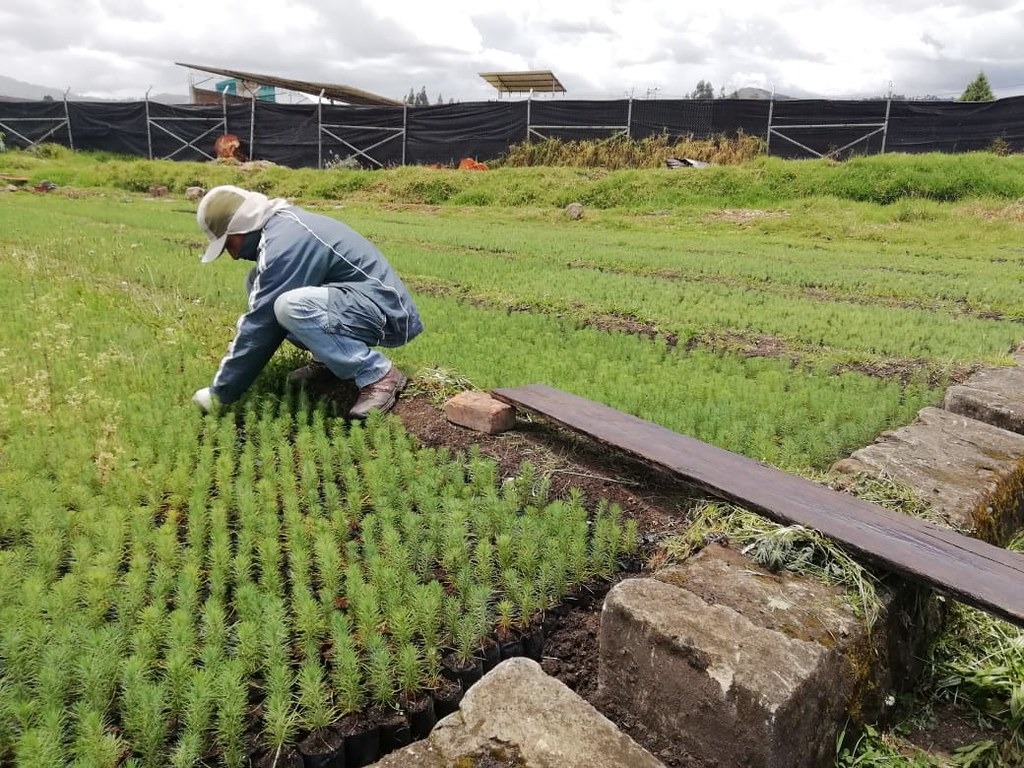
(481, 412)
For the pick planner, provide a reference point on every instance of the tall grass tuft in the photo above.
(621, 151)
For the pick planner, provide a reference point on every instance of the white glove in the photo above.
(204, 399)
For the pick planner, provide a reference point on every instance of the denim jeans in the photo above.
(338, 338)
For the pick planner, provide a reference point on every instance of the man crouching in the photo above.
(317, 283)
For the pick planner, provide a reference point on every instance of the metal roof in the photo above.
(343, 93)
(539, 81)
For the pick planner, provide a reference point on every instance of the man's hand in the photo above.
(204, 399)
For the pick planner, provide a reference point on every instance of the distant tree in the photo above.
(440, 99)
(411, 98)
(704, 90)
(47, 97)
(422, 100)
(978, 90)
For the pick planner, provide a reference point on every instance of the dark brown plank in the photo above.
(970, 570)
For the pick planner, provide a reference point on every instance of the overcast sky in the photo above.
(598, 48)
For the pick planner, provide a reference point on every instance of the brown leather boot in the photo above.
(379, 396)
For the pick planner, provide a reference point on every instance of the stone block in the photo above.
(969, 472)
(739, 666)
(519, 716)
(992, 395)
(480, 411)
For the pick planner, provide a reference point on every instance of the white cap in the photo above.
(229, 210)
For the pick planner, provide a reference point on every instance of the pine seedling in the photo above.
(505, 551)
(148, 635)
(528, 555)
(483, 561)
(345, 671)
(427, 603)
(280, 716)
(466, 637)
(41, 747)
(186, 592)
(144, 717)
(432, 674)
(355, 494)
(329, 567)
(231, 697)
(189, 750)
(269, 554)
(315, 707)
(96, 667)
(505, 617)
(401, 623)
(199, 704)
(220, 564)
(214, 632)
(310, 625)
(380, 671)
(275, 635)
(52, 680)
(94, 743)
(409, 666)
(395, 548)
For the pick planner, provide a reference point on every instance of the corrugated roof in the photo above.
(540, 81)
(335, 92)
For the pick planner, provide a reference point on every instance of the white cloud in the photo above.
(598, 48)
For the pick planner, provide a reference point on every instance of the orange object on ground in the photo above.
(228, 147)
(469, 164)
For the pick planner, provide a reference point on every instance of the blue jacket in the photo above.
(300, 249)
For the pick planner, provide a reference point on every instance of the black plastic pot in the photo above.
(533, 643)
(491, 653)
(466, 672)
(446, 698)
(394, 731)
(510, 649)
(421, 716)
(362, 740)
(323, 749)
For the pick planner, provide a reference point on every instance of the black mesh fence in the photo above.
(311, 135)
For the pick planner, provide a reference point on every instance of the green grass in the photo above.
(882, 179)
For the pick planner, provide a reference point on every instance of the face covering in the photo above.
(251, 246)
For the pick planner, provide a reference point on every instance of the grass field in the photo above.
(788, 325)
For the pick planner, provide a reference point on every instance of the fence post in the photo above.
(67, 119)
(252, 129)
(320, 130)
(771, 112)
(405, 130)
(529, 98)
(149, 132)
(885, 128)
(629, 118)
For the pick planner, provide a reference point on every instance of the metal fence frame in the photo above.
(882, 127)
(58, 123)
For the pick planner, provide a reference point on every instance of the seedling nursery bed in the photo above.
(562, 637)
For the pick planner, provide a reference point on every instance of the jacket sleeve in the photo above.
(258, 333)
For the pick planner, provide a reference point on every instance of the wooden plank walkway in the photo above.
(968, 569)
